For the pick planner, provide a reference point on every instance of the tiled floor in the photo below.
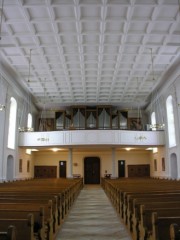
(92, 218)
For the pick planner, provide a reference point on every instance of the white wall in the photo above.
(161, 172)
(11, 88)
(133, 157)
(171, 87)
(42, 158)
(25, 158)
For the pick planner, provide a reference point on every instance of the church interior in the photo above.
(90, 97)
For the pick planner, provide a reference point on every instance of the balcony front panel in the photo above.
(91, 137)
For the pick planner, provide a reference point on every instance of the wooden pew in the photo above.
(135, 218)
(145, 225)
(39, 225)
(34, 207)
(35, 198)
(174, 231)
(61, 194)
(24, 227)
(58, 201)
(9, 234)
(149, 202)
(62, 199)
(123, 192)
(161, 226)
(141, 198)
(128, 198)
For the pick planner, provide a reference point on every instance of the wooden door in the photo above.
(139, 170)
(45, 171)
(92, 170)
(121, 168)
(62, 169)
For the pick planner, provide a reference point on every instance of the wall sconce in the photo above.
(2, 107)
(55, 149)
(75, 164)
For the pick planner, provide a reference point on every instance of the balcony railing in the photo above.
(93, 137)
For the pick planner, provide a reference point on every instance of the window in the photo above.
(163, 164)
(29, 121)
(155, 164)
(20, 165)
(170, 122)
(153, 120)
(12, 123)
(28, 166)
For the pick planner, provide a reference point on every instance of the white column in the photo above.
(70, 163)
(3, 161)
(113, 163)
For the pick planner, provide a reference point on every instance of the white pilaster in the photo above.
(113, 163)
(70, 160)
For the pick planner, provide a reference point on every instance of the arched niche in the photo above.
(10, 168)
(174, 166)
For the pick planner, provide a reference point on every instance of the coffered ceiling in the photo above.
(74, 52)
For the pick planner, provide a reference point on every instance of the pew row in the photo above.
(24, 226)
(174, 231)
(137, 201)
(161, 226)
(39, 227)
(49, 200)
(9, 234)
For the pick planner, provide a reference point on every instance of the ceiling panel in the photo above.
(90, 51)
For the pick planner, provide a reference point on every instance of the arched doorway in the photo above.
(10, 168)
(92, 170)
(174, 166)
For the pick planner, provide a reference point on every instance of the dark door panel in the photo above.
(62, 169)
(92, 170)
(45, 171)
(142, 170)
(121, 168)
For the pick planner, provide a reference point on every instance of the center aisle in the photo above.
(92, 218)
